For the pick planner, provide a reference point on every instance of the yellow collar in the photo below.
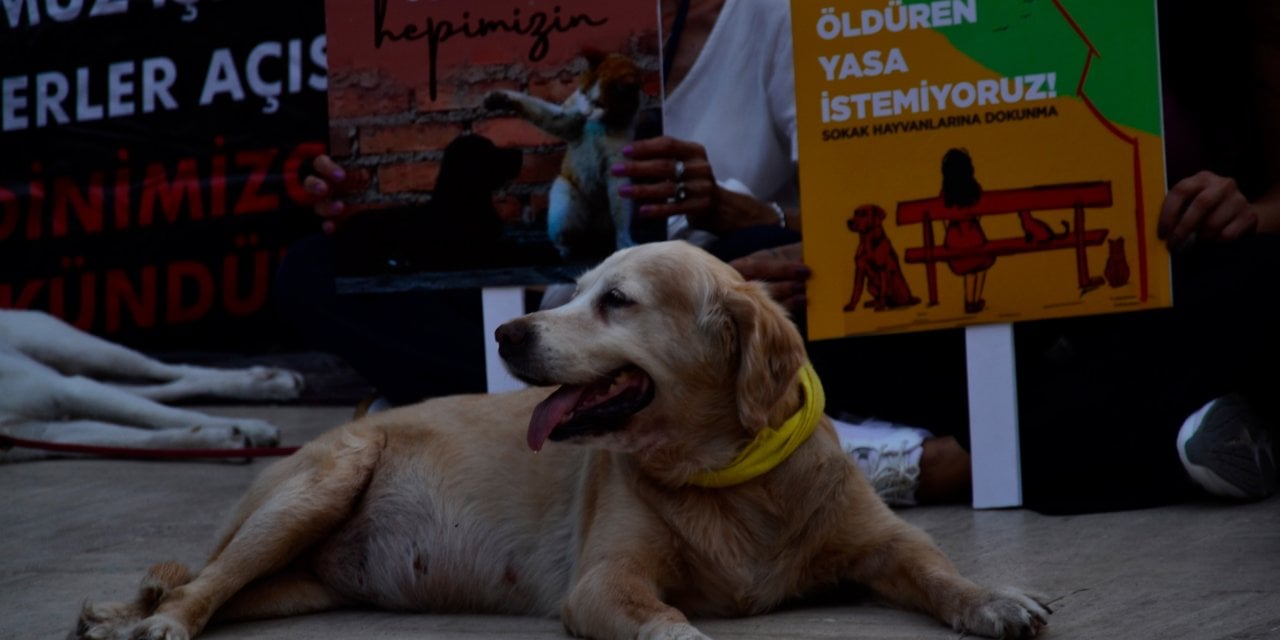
(771, 446)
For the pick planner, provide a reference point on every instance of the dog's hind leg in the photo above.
(296, 503)
(96, 433)
(49, 396)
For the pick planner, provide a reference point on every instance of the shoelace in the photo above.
(889, 472)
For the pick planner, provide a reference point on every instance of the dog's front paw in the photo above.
(104, 621)
(1006, 613)
(257, 432)
(277, 384)
(160, 627)
(670, 631)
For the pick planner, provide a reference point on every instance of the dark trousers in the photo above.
(1101, 398)
(409, 346)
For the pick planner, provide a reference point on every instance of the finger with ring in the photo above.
(679, 174)
(681, 192)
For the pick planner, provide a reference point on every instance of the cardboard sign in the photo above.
(457, 119)
(974, 161)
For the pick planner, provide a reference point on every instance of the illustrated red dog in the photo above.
(876, 265)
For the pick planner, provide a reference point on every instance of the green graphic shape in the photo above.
(1017, 37)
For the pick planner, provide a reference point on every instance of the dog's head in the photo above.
(866, 218)
(473, 165)
(665, 352)
(609, 90)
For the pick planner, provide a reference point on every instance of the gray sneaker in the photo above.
(888, 455)
(1226, 448)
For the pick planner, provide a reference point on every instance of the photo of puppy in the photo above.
(458, 228)
(596, 122)
(876, 266)
(638, 513)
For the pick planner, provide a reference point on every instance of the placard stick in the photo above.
(993, 416)
(500, 305)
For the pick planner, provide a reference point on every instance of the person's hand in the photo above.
(671, 177)
(782, 272)
(328, 183)
(1205, 207)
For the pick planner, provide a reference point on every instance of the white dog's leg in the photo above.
(105, 434)
(41, 394)
(57, 344)
(253, 383)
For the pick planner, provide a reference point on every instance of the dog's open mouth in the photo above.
(587, 409)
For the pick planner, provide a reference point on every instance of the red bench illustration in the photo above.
(1074, 196)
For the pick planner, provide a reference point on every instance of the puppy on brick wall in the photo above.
(596, 122)
(458, 229)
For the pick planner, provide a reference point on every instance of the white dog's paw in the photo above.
(270, 383)
(277, 384)
(670, 631)
(159, 627)
(1006, 613)
(229, 433)
(257, 432)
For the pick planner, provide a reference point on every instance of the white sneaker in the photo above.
(888, 455)
(1226, 449)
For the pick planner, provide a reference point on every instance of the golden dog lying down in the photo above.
(690, 472)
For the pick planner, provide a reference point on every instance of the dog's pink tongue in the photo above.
(551, 412)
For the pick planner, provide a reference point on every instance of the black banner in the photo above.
(150, 162)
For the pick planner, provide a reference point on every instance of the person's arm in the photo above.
(1207, 207)
(1266, 59)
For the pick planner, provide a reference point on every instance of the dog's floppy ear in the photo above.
(770, 352)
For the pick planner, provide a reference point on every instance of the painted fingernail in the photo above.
(339, 175)
(336, 207)
(627, 150)
(626, 190)
(617, 169)
(647, 209)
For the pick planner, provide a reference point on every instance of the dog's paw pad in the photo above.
(1007, 613)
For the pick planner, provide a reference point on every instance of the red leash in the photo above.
(9, 442)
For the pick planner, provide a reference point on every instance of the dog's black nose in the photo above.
(514, 339)
(511, 333)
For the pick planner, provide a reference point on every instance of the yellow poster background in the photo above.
(1061, 143)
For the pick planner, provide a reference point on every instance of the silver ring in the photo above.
(681, 192)
(679, 170)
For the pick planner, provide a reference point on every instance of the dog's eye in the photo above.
(615, 298)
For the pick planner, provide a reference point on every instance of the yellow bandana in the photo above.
(771, 446)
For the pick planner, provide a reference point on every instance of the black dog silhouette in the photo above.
(458, 229)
